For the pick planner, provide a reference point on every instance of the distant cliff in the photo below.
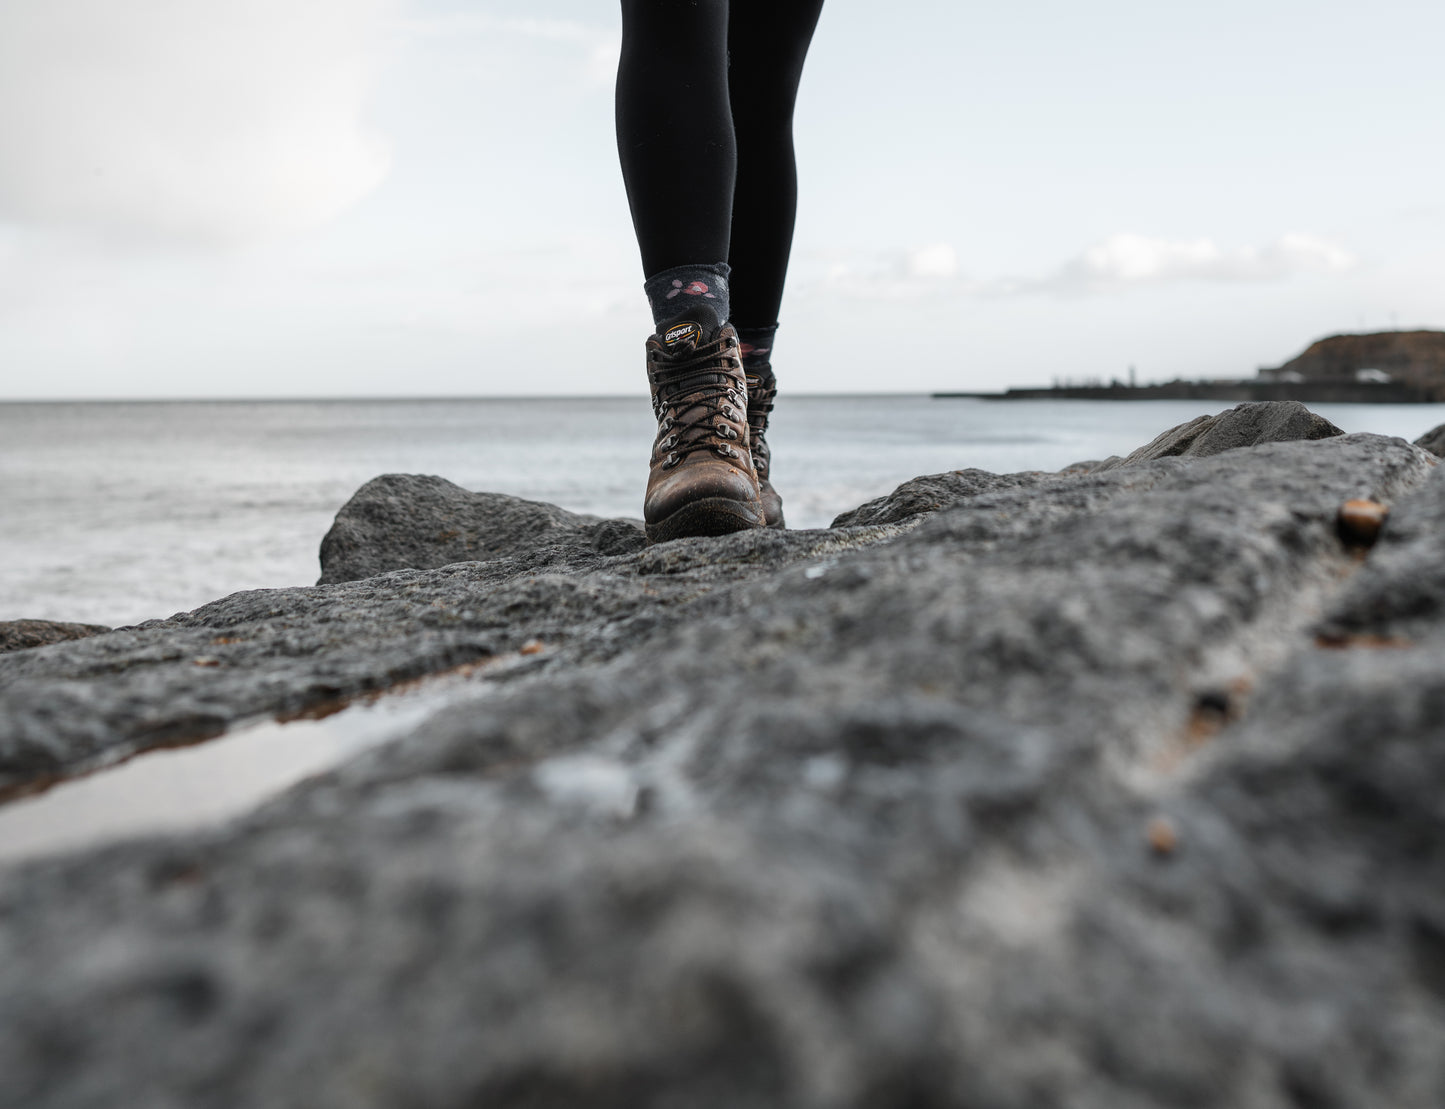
(1414, 358)
(1387, 367)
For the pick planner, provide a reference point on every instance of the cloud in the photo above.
(212, 121)
(932, 262)
(1127, 260)
(905, 274)
(1119, 263)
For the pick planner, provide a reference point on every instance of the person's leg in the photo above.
(675, 142)
(768, 43)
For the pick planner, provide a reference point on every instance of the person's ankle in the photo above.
(669, 292)
(757, 348)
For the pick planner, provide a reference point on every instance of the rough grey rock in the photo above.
(1047, 797)
(287, 651)
(21, 635)
(922, 495)
(419, 522)
(1245, 425)
(1399, 594)
(1433, 441)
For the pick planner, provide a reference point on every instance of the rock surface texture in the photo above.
(411, 521)
(1245, 425)
(1116, 789)
(1433, 441)
(21, 635)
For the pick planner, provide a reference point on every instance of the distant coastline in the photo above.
(1385, 367)
(1307, 392)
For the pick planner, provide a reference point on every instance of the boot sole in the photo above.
(709, 516)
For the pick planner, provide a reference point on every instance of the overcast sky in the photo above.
(409, 197)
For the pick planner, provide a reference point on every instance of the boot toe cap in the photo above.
(705, 480)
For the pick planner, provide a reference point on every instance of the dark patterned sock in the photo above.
(671, 291)
(757, 343)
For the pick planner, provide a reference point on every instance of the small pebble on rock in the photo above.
(1360, 521)
(1163, 839)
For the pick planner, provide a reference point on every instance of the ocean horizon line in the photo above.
(414, 399)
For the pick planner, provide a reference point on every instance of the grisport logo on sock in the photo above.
(689, 331)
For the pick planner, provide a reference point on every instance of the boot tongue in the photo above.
(690, 330)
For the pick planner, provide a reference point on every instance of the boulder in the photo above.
(1433, 441)
(419, 522)
(1108, 789)
(923, 495)
(20, 635)
(1245, 425)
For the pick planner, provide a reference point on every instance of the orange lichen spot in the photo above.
(1202, 727)
(205, 660)
(532, 647)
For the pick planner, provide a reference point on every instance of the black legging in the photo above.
(707, 150)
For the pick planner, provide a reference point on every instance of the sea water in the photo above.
(113, 513)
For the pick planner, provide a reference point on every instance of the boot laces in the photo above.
(760, 406)
(700, 405)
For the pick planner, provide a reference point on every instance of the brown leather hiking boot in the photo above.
(762, 390)
(701, 479)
